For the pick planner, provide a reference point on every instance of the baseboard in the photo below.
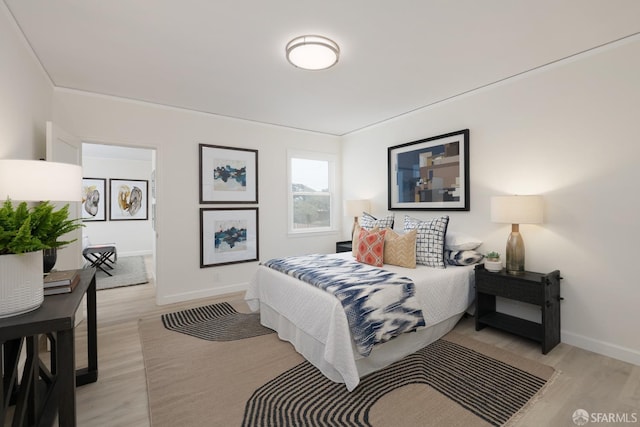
(602, 347)
(134, 253)
(188, 296)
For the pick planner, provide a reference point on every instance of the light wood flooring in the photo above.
(586, 380)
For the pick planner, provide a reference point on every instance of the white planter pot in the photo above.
(493, 266)
(21, 287)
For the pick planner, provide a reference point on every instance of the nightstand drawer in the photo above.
(511, 288)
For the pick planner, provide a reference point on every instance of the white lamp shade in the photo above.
(37, 180)
(354, 208)
(312, 52)
(517, 209)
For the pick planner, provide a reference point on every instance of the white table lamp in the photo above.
(355, 208)
(40, 181)
(516, 210)
(37, 180)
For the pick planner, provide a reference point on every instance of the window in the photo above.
(311, 192)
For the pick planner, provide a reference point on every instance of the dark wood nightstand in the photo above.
(344, 246)
(538, 289)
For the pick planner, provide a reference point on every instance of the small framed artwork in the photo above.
(94, 199)
(228, 236)
(129, 199)
(228, 175)
(430, 174)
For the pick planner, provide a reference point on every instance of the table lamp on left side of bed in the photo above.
(354, 208)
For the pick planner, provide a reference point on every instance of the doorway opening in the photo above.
(122, 180)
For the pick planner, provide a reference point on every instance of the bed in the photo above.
(315, 322)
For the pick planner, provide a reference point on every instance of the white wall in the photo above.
(175, 134)
(570, 133)
(131, 237)
(27, 92)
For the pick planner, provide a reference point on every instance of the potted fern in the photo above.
(24, 234)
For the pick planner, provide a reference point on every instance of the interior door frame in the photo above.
(63, 147)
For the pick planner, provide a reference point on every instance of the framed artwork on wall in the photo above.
(228, 174)
(228, 236)
(94, 199)
(129, 199)
(430, 174)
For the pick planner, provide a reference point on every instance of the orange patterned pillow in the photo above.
(355, 239)
(370, 248)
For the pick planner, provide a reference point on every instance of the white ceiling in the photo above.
(226, 57)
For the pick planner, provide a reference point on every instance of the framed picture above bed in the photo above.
(228, 175)
(228, 236)
(94, 199)
(430, 174)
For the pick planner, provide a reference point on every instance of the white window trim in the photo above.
(333, 196)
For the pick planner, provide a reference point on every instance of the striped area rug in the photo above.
(262, 381)
(492, 390)
(216, 322)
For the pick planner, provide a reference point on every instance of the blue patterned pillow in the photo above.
(430, 239)
(369, 222)
(462, 257)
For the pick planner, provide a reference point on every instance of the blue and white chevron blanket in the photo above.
(379, 304)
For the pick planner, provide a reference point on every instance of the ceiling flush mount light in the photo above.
(312, 52)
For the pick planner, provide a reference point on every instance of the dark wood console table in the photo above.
(45, 391)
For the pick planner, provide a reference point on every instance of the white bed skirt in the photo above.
(382, 355)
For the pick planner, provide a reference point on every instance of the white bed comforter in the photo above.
(442, 293)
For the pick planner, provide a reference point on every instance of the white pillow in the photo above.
(457, 241)
(469, 257)
(369, 222)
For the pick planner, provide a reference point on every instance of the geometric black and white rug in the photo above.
(492, 390)
(262, 381)
(215, 322)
